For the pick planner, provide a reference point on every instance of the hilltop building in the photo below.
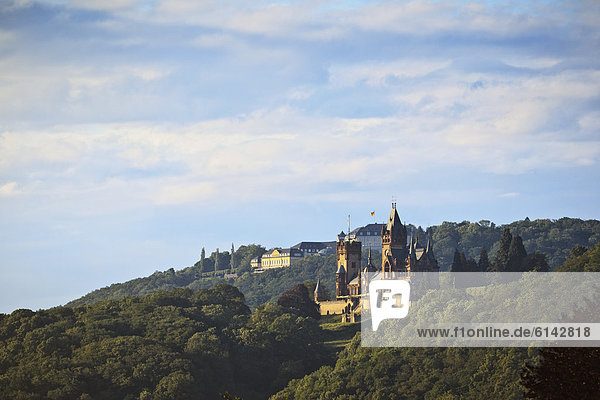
(398, 252)
(276, 258)
(369, 236)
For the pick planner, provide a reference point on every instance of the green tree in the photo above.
(298, 298)
(586, 261)
(245, 254)
(483, 265)
(202, 260)
(461, 264)
(563, 373)
(501, 260)
(566, 372)
(516, 255)
(216, 261)
(577, 251)
(536, 262)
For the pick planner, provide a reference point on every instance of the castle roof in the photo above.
(373, 229)
(354, 282)
(394, 225)
(312, 245)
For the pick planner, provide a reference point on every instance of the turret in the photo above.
(319, 292)
(394, 232)
(429, 250)
(341, 289)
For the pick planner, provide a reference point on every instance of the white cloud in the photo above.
(9, 189)
(446, 106)
(525, 61)
(186, 192)
(277, 153)
(378, 74)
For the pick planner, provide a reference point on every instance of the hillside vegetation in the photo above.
(415, 373)
(180, 344)
(207, 343)
(555, 238)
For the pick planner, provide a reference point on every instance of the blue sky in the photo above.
(134, 133)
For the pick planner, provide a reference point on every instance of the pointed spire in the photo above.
(318, 288)
(394, 230)
(429, 250)
(394, 220)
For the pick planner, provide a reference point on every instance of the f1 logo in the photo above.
(388, 299)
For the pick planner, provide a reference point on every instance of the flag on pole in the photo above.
(372, 213)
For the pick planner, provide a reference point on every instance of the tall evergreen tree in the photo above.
(459, 263)
(471, 265)
(516, 254)
(483, 265)
(536, 262)
(501, 260)
(231, 259)
(202, 258)
(216, 261)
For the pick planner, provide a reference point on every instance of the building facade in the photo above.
(369, 236)
(277, 258)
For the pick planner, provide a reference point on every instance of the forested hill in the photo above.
(555, 238)
(180, 344)
(184, 344)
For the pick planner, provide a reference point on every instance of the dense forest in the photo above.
(168, 345)
(207, 343)
(415, 373)
(553, 238)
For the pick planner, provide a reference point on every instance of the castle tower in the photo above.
(349, 253)
(341, 288)
(393, 244)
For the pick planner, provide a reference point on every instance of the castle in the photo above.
(398, 254)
